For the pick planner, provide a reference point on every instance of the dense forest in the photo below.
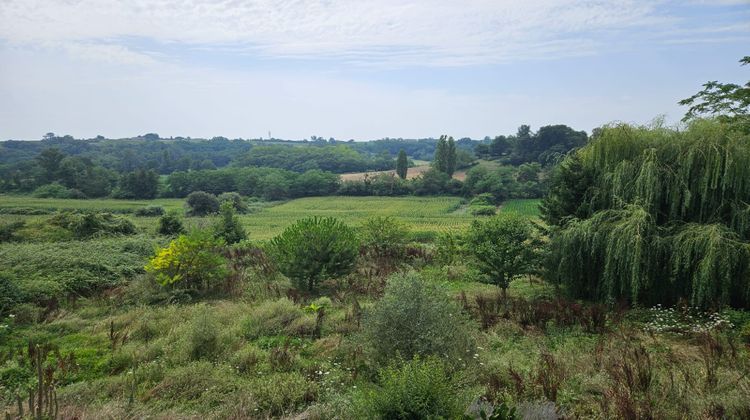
(64, 167)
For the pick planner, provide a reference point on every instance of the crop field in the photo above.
(526, 207)
(421, 215)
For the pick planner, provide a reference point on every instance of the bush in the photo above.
(418, 389)
(202, 203)
(229, 227)
(170, 224)
(191, 260)
(315, 249)
(76, 268)
(86, 225)
(383, 241)
(235, 200)
(55, 190)
(8, 231)
(483, 199)
(416, 317)
(483, 210)
(9, 294)
(149, 211)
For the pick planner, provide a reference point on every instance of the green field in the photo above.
(421, 215)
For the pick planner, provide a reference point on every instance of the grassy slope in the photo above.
(248, 375)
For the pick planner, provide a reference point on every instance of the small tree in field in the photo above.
(170, 224)
(202, 203)
(191, 260)
(504, 247)
(229, 226)
(315, 249)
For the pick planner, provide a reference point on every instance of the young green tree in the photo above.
(192, 260)
(315, 249)
(383, 242)
(170, 224)
(402, 164)
(202, 203)
(450, 157)
(229, 227)
(504, 247)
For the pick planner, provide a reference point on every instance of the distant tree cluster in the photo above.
(547, 146)
(445, 156)
(337, 159)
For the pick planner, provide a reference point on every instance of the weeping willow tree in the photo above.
(663, 215)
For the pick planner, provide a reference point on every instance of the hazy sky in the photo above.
(356, 69)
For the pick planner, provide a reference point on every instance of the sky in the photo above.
(353, 69)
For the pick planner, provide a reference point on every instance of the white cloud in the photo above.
(437, 32)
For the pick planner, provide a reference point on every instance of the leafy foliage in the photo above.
(202, 203)
(402, 164)
(504, 247)
(729, 102)
(653, 215)
(88, 224)
(191, 260)
(416, 317)
(170, 224)
(229, 227)
(315, 249)
(417, 389)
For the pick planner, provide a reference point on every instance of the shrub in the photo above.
(54, 190)
(170, 224)
(191, 260)
(202, 203)
(149, 211)
(416, 317)
(383, 242)
(504, 247)
(9, 294)
(315, 249)
(483, 210)
(229, 227)
(418, 389)
(8, 231)
(235, 200)
(483, 199)
(76, 268)
(85, 225)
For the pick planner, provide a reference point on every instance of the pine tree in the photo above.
(402, 164)
(450, 160)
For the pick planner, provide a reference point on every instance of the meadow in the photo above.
(122, 346)
(425, 216)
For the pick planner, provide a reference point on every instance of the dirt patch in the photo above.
(413, 172)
